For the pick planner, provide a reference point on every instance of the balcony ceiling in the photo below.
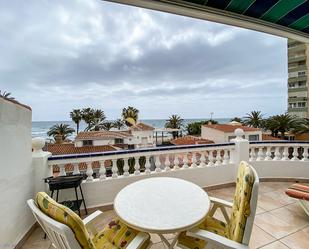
(286, 18)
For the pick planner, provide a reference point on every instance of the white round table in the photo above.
(162, 205)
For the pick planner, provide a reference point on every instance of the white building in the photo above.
(137, 136)
(222, 133)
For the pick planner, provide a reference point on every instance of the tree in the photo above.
(129, 112)
(94, 118)
(195, 128)
(271, 125)
(107, 126)
(302, 126)
(118, 124)
(76, 116)
(174, 122)
(254, 119)
(6, 95)
(236, 119)
(87, 116)
(282, 123)
(60, 129)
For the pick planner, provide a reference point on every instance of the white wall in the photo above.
(138, 135)
(17, 178)
(212, 134)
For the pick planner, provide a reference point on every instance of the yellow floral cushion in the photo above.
(241, 203)
(116, 235)
(210, 224)
(66, 216)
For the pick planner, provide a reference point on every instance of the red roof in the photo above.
(85, 135)
(230, 128)
(69, 148)
(269, 137)
(141, 127)
(188, 140)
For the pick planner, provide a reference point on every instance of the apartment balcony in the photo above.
(297, 68)
(212, 166)
(297, 109)
(301, 78)
(299, 47)
(297, 89)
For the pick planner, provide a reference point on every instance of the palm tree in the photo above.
(107, 126)
(76, 116)
(302, 126)
(283, 123)
(174, 122)
(60, 129)
(254, 119)
(271, 125)
(129, 112)
(6, 95)
(99, 114)
(87, 116)
(118, 124)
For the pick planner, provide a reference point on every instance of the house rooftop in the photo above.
(230, 128)
(188, 140)
(86, 135)
(141, 127)
(69, 148)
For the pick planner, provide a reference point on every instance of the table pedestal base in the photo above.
(172, 244)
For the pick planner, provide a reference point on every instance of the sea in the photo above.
(40, 128)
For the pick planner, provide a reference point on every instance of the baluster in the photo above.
(126, 167)
(157, 163)
(210, 158)
(268, 154)
(277, 153)
(295, 154)
(102, 171)
(194, 160)
(285, 154)
(167, 163)
(62, 170)
(147, 165)
(89, 172)
(260, 156)
(185, 160)
(226, 157)
(252, 154)
(137, 166)
(218, 158)
(202, 159)
(305, 155)
(176, 162)
(76, 169)
(114, 168)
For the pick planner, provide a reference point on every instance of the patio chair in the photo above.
(301, 193)
(67, 230)
(235, 232)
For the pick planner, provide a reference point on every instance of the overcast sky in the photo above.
(60, 55)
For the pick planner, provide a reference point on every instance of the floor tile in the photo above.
(269, 202)
(275, 245)
(259, 238)
(277, 227)
(298, 240)
(158, 246)
(36, 240)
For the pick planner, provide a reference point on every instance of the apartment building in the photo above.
(298, 68)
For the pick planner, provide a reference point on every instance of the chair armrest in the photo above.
(138, 241)
(221, 202)
(216, 239)
(91, 221)
(92, 216)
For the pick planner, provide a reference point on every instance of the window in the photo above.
(291, 85)
(302, 83)
(87, 143)
(302, 73)
(292, 105)
(254, 137)
(144, 140)
(118, 141)
(301, 104)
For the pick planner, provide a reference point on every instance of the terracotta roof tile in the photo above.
(188, 140)
(230, 128)
(102, 135)
(69, 148)
(141, 127)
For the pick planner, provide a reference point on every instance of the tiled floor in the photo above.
(280, 222)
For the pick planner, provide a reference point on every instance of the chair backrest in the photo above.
(244, 204)
(59, 234)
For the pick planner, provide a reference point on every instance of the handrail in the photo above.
(279, 142)
(134, 151)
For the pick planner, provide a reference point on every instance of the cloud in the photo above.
(59, 55)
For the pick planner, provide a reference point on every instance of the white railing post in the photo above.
(40, 164)
(137, 166)
(76, 169)
(89, 171)
(102, 171)
(241, 152)
(305, 154)
(126, 167)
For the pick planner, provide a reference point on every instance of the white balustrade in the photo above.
(210, 158)
(295, 154)
(89, 171)
(185, 161)
(76, 169)
(268, 154)
(252, 154)
(285, 154)
(218, 158)
(260, 154)
(157, 163)
(305, 154)
(167, 163)
(62, 170)
(147, 165)
(226, 158)
(114, 169)
(176, 162)
(202, 159)
(102, 171)
(126, 167)
(137, 166)
(194, 160)
(277, 153)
